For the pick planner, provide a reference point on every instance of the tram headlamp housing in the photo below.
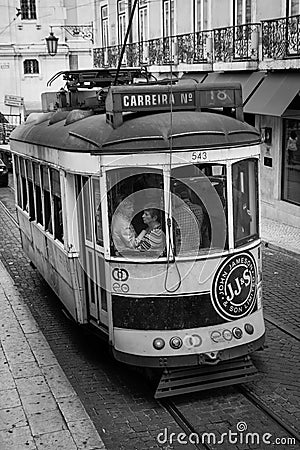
(249, 328)
(175, 342)
(158, 343)
(237, 333)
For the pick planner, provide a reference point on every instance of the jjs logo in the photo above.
(234, 287)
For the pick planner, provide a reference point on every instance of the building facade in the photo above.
(25, 65)
(254, 42)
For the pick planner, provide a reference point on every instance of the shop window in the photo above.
(28, 9)
(245, 201)
(291, 161)
(136, 212)
(199, 208)
(31, 66)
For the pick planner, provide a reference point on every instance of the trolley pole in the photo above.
(125, 42)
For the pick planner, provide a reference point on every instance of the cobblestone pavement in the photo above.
(119, 401)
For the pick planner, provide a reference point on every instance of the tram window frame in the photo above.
(48, 216)
(38, 193)
(184, 179)
(123, 187)
(31, 196)
(24, 202)
(246, 210)
(18, 180)
(56, 201)
(97, 219)
(87, 208)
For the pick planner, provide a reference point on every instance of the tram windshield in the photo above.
(199, 208)
(136, 212)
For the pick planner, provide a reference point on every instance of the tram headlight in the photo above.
(175, 342)
(249, 328)
(237, 333)
(158, 343)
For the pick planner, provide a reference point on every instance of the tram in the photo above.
(139, 205)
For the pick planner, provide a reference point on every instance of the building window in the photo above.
(143, 21)
(242, 12)
(28, 10)
(31, 66)
(293, 7)
(168, 18)
(200, 15)
(291, 161)
(104, 25)
(121, 21)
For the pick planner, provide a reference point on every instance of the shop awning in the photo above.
(248, 80)
(274, 94)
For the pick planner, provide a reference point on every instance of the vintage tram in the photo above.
(139, 205)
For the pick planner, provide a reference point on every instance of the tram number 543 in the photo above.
(199, 156)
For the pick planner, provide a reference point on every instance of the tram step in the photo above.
(176, 381)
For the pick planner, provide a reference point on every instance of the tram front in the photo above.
(181, 229)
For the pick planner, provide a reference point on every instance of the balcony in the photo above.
(281, 42)
(270, 44)
(183, 50)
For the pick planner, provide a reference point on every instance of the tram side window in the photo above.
(24, 200)
(245, 201)
(97, 212)
(38, 193)
(57, 205)
(18, 179)
(136, 212)
(199, 208)
(47, 200)
(87, 208)
(31, 210)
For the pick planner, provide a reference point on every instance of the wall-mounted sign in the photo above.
(4, 65)
(13, 100)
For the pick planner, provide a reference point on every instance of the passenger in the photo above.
(151, 239)
(189, 219)
(123, 233)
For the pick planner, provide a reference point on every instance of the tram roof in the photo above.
(79, 131)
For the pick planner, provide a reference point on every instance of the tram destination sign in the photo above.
(158, 100)
(191, 96)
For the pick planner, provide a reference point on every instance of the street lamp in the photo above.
(84, 31)
(52, 42)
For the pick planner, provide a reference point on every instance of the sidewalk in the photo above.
(39, 409)
(280, 236)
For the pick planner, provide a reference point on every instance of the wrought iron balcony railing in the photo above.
(281, 38)
(239, 43)
(189, 48)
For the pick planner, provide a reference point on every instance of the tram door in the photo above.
(93, 250)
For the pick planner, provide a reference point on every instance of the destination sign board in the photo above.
(197, 96)
(157, 100)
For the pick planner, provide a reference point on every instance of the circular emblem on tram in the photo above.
(120, 274)
(234, 287)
